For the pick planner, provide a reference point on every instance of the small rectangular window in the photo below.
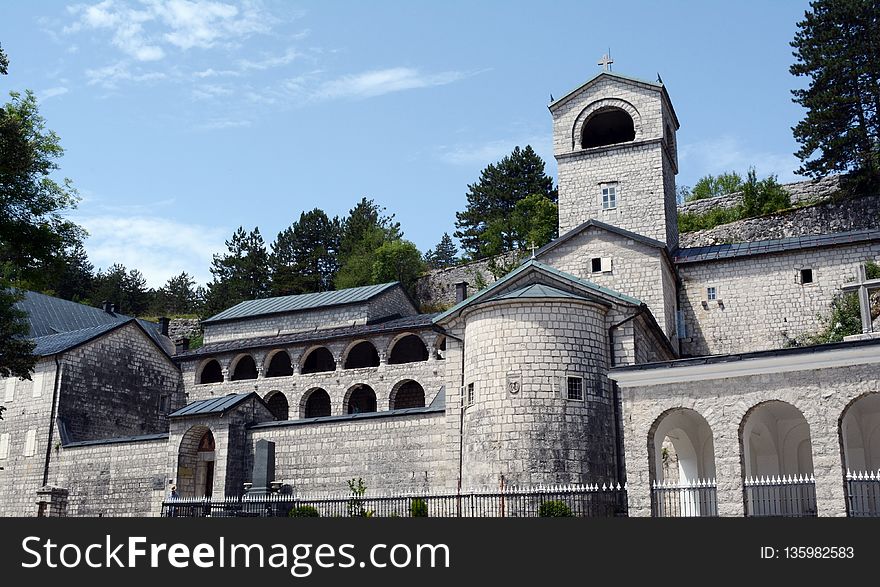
(609, 196)
(711, 293)
(38, 384)
(470, 394)
(806, 276)
(596, 264)
(164, 403)
(4, 445)
(575, 388)
(30, 443)
(10, 389)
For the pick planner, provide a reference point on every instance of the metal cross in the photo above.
(533, 249)
(864, 286)
(606, 61)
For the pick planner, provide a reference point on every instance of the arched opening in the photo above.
(608, 127)
(777, 459)
(860, 441)
(195, 463)
(277, 403)
(211, 372)
(409, 349)
(279, 365)
(315, 403)
(245, 368)
(363, 354)
(361, 400)
(407, 394)
(683, 451)
(318, 360)
(440, 347)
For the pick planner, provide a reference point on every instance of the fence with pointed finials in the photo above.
(790, 496)
(694, 499)
(863, 494)
(592, 500)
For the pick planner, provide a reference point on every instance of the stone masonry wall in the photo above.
(841, 215)
(396, 453)
(536, 435)
(112, 386)
(820, 394)
(435, 290)
(389, 303)
(114, 478)
(24, 438)
(184, 328)
(763, 306)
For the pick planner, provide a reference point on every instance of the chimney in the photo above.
(112, 308)
(107, 305)
(461, 291)
(181, 345)
(163, 325)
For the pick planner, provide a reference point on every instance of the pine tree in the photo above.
(837, 46)
(364, 230)
(397, 260)
(443, 255)
(127, 290)
(241, 274)
(488, 225)
(178, 296)
(304, 256)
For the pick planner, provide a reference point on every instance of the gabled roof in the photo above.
(602, 226)
(730, 251)
(537, 266)
(536, 291)
(214, 405)
(48, 315)
(624, 78)
(63, 341)
(297, 303)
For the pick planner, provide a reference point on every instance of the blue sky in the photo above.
(183, 119)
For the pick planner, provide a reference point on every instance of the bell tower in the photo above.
(614, 142)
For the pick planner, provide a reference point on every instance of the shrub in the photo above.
(554, 509)
(304, 511)
(418, 508)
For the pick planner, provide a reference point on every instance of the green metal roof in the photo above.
(310, 301)
(536, 291)
(537, 265)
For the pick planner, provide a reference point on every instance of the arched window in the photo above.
(278, 405)
(211, 372)
(363, 354)
(315, 403)
(608, 127)
(408, 349)
(279, 366)
(318, 360)
(195, 463)
(407, 394)
(245, 368)
(860, 438)
(361, 399)
(440, 345)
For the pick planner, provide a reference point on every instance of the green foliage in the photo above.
(844, 318)
(711, 186)
(836, 47)
(502, 265)
(554, 509)
(398, 260)
(364, 230)
(197, 342)
(4, 62)
(759, 197)
(356, 507)
(492, 223)
(16, 359)
(304, 256)
(126, 289)
(241, 274)
(418, 508)
(304, 511)
(178, 296)
(479, 280)
(443, 255)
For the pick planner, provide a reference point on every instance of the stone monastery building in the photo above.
(612, 355)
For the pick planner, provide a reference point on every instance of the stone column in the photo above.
(728, 467)
(52, 502)
(827, 463)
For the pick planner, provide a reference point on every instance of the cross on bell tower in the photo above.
(606, 61)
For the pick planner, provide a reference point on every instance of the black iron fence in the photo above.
(558, 501)
(787, 496)
(684, 500)
(863, 494)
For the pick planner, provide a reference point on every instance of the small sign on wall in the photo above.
(514, 382)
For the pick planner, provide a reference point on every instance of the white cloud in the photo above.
(210, 91)
(384, 81)
(52, 92)
(482, 154)
(220, 124)
(730, 153)
(286, 58)
(110, 75)
(158, 247)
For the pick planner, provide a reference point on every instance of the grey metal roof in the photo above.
(214, 405)
(438, 405)
(733, 250)
(393, 325)
(48, 315)
(57, 343)
(537, 290)
(310, 301)
(117, 440)
(713, 359)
